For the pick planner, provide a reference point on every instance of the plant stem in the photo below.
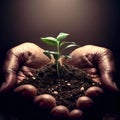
(58, 69)
(57, 62)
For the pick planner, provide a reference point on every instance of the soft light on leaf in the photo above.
(55, 54)
(62, 36)
(50, 41)
(62, 43)
(71, 45)
(47, 53)
(60, 47)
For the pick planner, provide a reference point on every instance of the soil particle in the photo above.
(67, 88)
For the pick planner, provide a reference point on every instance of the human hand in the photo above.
(97, 62)
(24, 59)
(21, 61)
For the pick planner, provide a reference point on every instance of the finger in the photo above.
(27, 91)
(94, 92)
(9, 83)
(45, 101)
(107, 70)
(10, 69)
(84, 103)
(76, 114)
(60, 112)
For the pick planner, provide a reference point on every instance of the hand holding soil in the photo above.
(23, 60)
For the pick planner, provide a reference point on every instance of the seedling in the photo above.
(60, 45)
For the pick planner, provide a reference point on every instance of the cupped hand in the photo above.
(21, 61)
(97, 62)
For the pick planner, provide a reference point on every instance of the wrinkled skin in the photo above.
(22, 60)
(98, 62)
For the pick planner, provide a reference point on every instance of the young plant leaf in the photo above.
(71, 45)
(50, 53)
(55, 54)
(62, 36)
(60, 46)
(64, 42)
(47, 53)
(50, 41)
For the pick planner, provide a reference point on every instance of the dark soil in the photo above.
(66, 89)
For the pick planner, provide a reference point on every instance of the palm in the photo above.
(97, 62)
(21, 62)
(25, 72)
(89, 67)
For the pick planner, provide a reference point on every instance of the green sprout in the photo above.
(60, 47)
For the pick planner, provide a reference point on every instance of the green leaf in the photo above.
(49, 53)
(71, 45)
(55, 54)
(62, 36)
(62, 43)
(50, 41)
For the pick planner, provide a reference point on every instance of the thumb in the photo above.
(108, 82)
(9, 71)
(9, 83)
(107, 70)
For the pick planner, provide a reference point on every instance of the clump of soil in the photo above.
(67, 88)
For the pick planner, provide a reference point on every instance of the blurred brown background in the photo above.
(87, 21)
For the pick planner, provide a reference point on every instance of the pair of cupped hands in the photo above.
(23, 60)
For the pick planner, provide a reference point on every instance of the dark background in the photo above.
(94, 22)
(88, 22)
